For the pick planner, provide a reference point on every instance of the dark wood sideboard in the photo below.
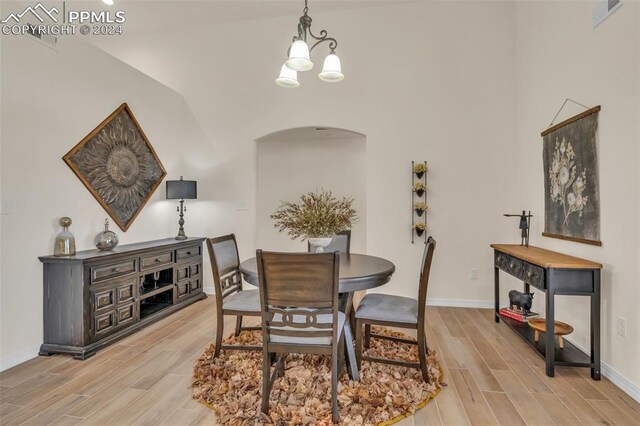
(96, 297)
(554, 274)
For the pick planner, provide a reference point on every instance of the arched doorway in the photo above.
(293, 162)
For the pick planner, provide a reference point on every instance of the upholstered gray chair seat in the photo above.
(322, 319)
(245, 300)
(385, 307)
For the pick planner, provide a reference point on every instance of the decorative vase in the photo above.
(319, 244)
(65, 241)
(419, 232)
(420, 192)
(106, 240)
(419, 212)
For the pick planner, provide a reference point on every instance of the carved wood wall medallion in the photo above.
(118, 165)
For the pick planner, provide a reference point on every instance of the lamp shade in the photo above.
(182, 189)
(299, 56)
(331, 69)
(288, 77)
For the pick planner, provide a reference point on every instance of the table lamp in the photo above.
(182, 190)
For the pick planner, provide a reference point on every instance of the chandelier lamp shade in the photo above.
(299, 59)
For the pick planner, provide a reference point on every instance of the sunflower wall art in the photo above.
(118, 166)
(572, 199)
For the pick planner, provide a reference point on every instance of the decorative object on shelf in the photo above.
(520, 300)
(419, 169)
(106, 240)
(317, 216)
(298, 55)
(539, 325)
(518, 315)
(65, 241)
(418, 207)
(118, 165)
(420, 227)
(572, 198)
(182, 190)
(524, 226)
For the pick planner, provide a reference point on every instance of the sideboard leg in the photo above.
(496, 273)
(549, 335)
(595, 326)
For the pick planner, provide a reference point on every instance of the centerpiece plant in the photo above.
(317, 215)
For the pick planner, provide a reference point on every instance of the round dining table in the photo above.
(357, 272)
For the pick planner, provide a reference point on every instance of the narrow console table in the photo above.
(555, 274)
(96, 297)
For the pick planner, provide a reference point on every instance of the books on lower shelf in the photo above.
(517, 314)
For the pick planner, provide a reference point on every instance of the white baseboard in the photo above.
(460, 303)
(627, 386)
(18, 358)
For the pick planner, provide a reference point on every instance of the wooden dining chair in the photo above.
(341, 242)
(300, 314)
(231, 299)
(397, 311)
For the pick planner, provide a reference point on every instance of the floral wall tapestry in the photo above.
(572, 199)
(118, 166)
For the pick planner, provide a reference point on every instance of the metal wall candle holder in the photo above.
(418, 195)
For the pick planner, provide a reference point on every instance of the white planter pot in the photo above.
(318, 244)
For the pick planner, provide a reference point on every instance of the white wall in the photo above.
(50, 101)
(430, 81)
(288, 168)
(560, 55)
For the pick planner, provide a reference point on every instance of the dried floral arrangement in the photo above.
(420, 205)
(420, 226)
(231, 384)
(419, 186)
(419, 168)
(318, 214)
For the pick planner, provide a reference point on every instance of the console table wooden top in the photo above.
(545, 258)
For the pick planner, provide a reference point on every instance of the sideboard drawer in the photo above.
(105, 322)
(533, 275)
(126, 314)
(126, 292)
(194, 286)
(194, 270)
(509, 264)
(182, 273)
(104, 299)
(188, 252)
(154, 260)
(183, 290)
(105, 272)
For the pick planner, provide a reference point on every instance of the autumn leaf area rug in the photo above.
(232, 386)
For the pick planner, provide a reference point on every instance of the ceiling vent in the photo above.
(604, 9)
(33, 33)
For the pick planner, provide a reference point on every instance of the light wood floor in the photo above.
(493, 378)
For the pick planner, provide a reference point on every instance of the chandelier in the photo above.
(299, 59)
